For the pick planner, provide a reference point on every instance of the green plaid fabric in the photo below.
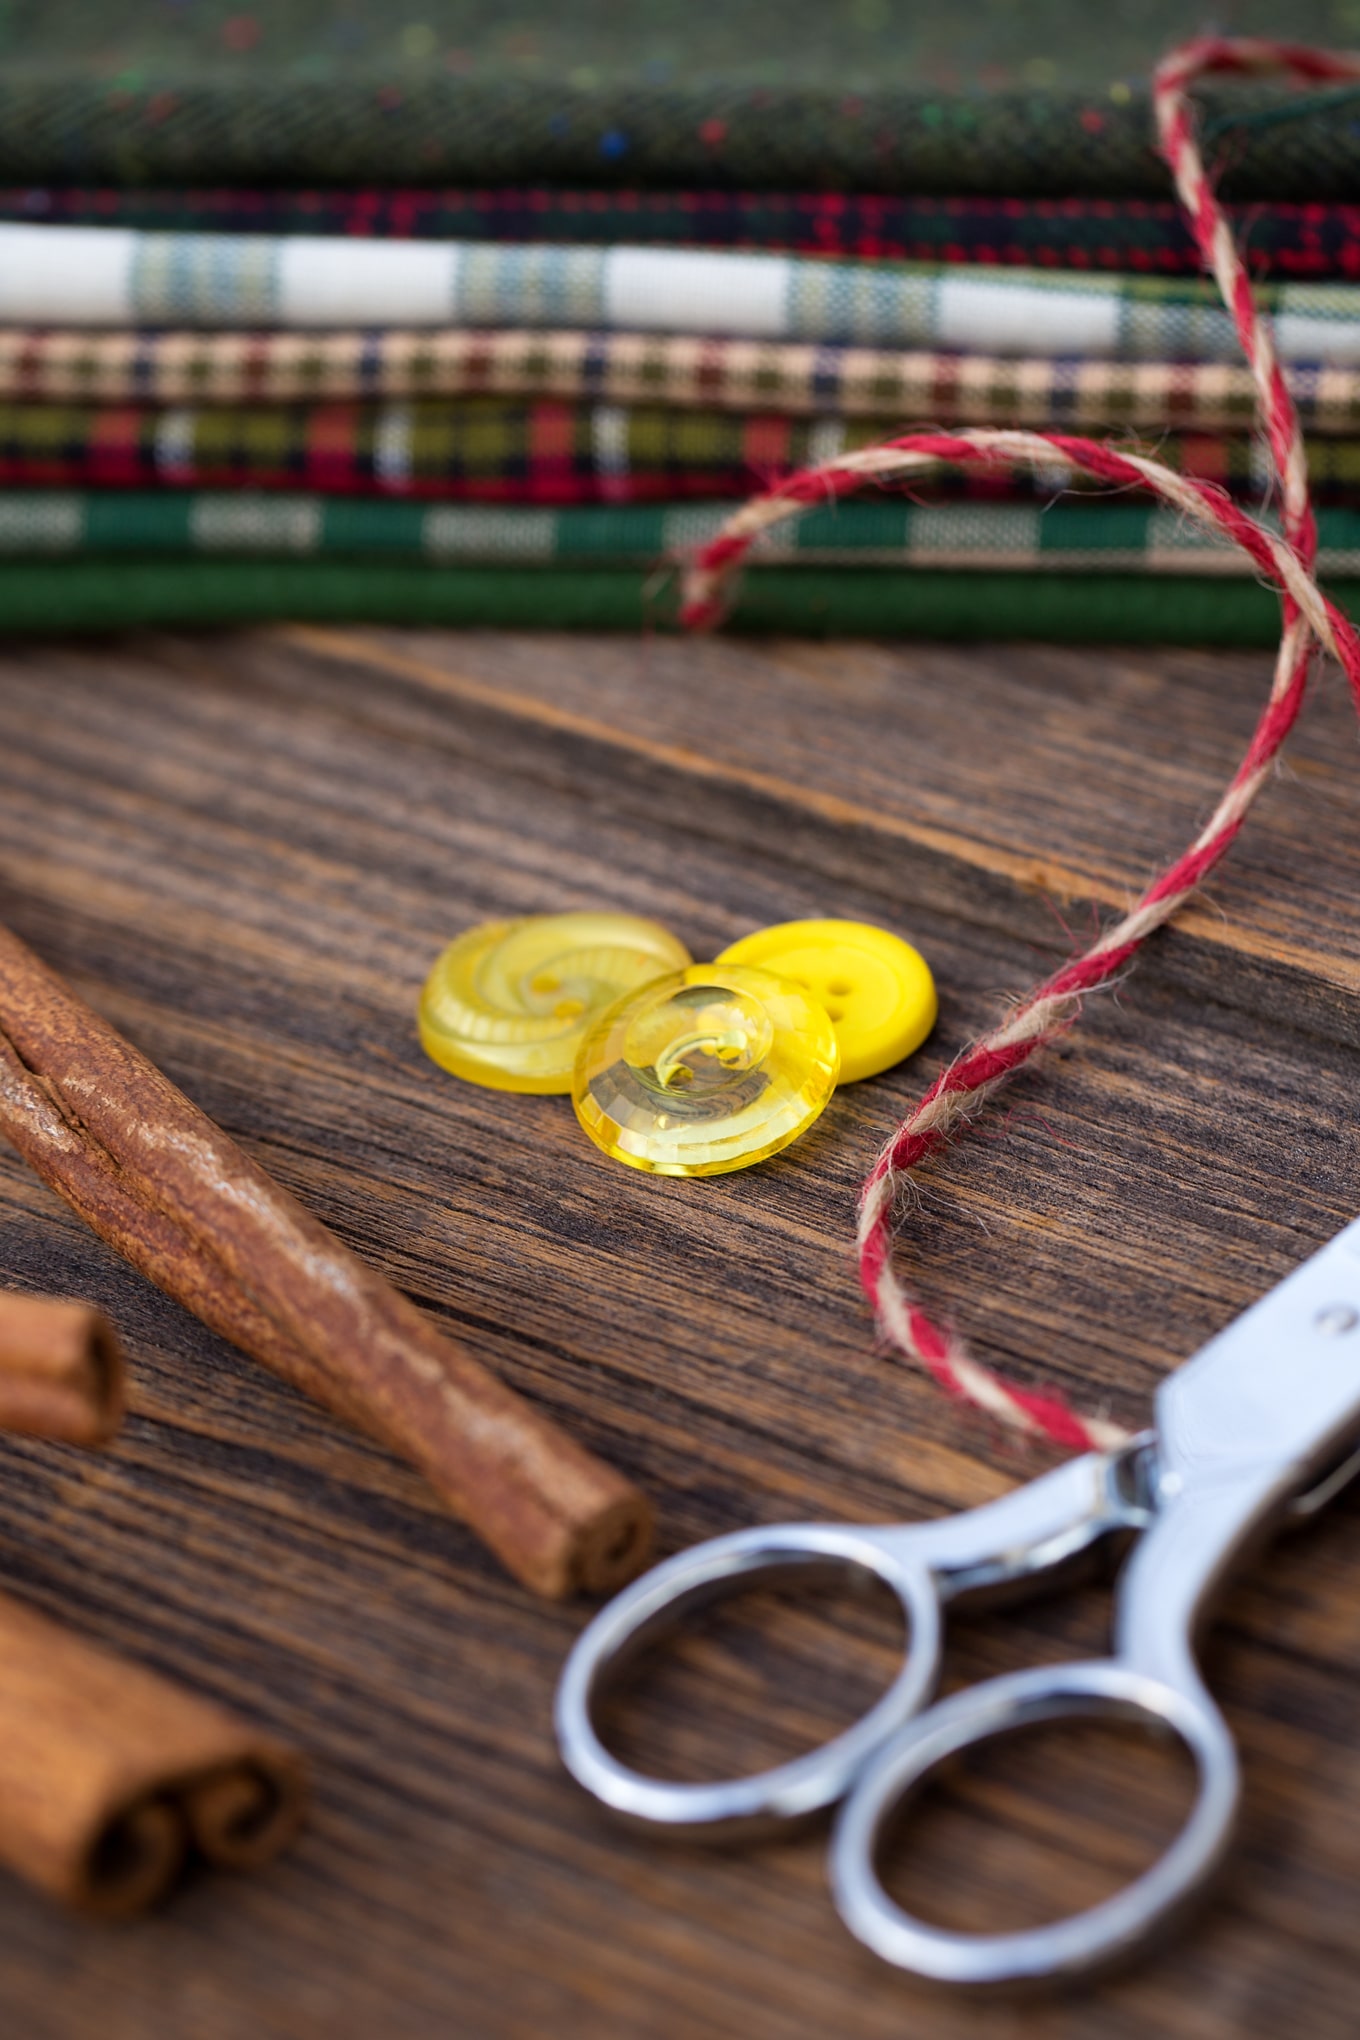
(1047, 97)
(842, 49)
(1066, 538)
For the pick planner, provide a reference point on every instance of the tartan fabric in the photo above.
(872, 95)
(74, 366)
(59, 126)
(483, 448)
(692, 42)
(110, 276)
(1063, 537)
(493, 449)
(1147, 236)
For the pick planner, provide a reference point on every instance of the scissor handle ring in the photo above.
(651, 1606)
(1085, 1941)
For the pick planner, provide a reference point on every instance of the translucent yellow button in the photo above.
(706, 1070)
(875, 987)
(509, 1003)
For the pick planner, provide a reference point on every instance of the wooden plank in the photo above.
(246, 850)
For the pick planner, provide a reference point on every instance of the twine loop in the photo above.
(1308, 620)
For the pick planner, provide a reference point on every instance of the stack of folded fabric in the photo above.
(471, 319)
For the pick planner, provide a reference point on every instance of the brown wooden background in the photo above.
(246, 850)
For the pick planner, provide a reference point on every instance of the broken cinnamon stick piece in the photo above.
(160, 1182)
(109, 1774)
(61, 1370)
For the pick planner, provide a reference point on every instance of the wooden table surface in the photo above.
(245, 851)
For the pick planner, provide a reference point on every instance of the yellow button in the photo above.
(710, 1069)
(508, 1003)
(877, 989)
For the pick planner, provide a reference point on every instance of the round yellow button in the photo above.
(876, 988)
(710, 1069)
(508, 1003)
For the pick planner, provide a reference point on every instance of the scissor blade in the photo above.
(1280, 1388)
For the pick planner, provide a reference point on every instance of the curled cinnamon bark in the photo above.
(110, 1776)
(61, 1370)
(165, 1186)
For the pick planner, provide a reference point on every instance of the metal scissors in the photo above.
(1254, 1428)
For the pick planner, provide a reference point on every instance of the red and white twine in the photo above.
(1308, 619)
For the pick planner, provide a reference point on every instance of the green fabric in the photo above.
(985, 96)
(848, 45)
(441, 130)
(1063, 537)
(51, 598)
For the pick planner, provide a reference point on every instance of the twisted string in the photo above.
(1307, 618)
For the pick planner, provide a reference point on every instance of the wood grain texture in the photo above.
(171, 1193)
(244, 851)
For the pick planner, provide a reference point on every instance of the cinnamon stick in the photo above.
(110, 1776)
(160, 1182)
(61, 1370)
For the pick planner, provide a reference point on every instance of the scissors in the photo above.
(1254, 1428)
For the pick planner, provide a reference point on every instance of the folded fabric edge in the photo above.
(39, 597)
(64, 124)
(118, 276)
(1113, 534)
(1150, 235)
(186, 366)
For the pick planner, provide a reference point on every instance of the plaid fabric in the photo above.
(1147, 236)
(110, 276)
(419, 123)
(872, 95)
(493, 449)
(484, 447)
(690, 42)
(869, 531)
(627, 368)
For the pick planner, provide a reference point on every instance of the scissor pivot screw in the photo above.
(1336, 1318)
